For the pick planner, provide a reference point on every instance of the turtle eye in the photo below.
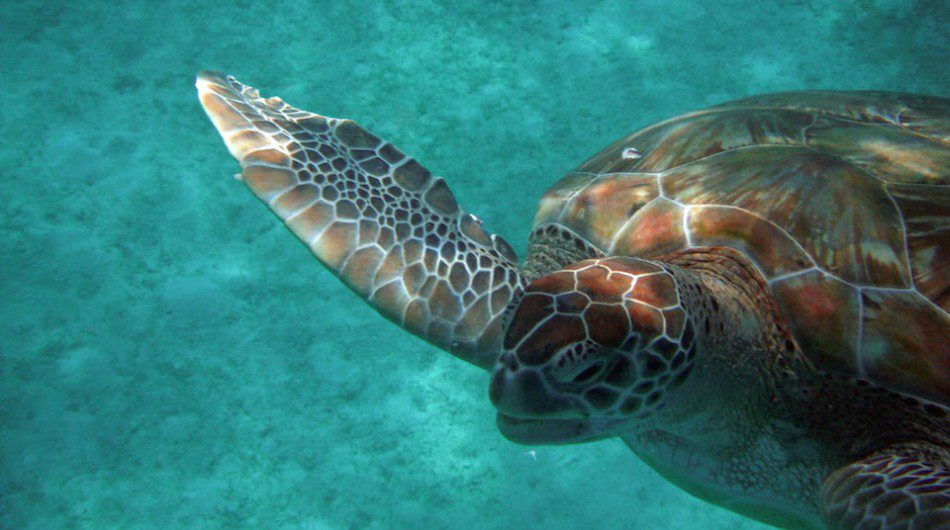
(579, 363)
(588, 373)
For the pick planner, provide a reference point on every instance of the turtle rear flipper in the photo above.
(901, 488)
(391, 231)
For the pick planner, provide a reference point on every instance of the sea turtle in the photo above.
(754, 297)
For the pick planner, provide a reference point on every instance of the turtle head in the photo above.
(590, 350)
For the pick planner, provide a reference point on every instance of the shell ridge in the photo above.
(839, 117)
(906, 270)
(622, 229)
(859, 294)
(732, 150)
(905, 238)
(773, 224)
(859, 358)
(570, 198)
(928, 113)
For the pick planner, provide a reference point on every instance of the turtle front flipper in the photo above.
(902, 488)
(374, 216)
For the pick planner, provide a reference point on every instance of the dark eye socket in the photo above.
(582, 363)
(588, 373)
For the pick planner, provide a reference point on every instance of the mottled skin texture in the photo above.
(753, 297)
(382, 222)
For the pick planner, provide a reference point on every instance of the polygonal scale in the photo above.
(890, 153)
(609, 331)
(392, 231)
(904, 343)
(767, 245)
(925, 115)
(841, 216)
(654, 230)
(926, 213)
(596, 211)
(700, 134)
(824, 314)
(552, 202)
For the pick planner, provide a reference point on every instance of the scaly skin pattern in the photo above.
(758, 429)
(572, 326)
(377, 218)
(688, 359)
(553, 246)
(787, 298)
(907, 485)
(840, 199)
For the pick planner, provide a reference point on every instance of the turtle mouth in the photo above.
(554, 431)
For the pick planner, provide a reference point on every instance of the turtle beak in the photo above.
(554, 431)
(530, 413)
(522, 393)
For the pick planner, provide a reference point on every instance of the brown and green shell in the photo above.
(842, 199)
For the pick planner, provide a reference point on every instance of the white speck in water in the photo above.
(533, 454)
(631, 153)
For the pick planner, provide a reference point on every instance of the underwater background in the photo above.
(171, 357)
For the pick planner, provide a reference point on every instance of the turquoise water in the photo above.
(172, 357)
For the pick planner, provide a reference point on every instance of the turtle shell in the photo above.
(842, 199)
